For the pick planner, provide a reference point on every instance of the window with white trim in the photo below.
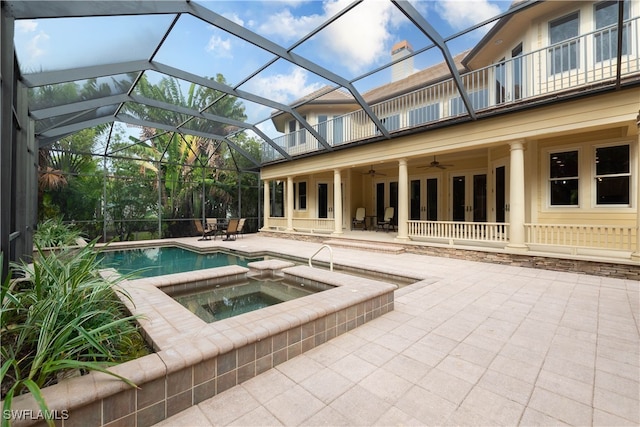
(606, 41)
(563, 178)
(300, 195)
(564, 53)
(612, 175)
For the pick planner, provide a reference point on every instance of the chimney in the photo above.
(403, 68)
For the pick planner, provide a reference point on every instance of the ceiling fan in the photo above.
(435, 164)
(371, 172)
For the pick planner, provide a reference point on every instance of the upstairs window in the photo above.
(292, 133)
(613, 175)
(426, 114)
(606, 40)
(391, 123)
(563, 178)
(564, 53)
(322, 126)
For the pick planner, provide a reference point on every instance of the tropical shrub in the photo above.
(52, 233)
(61, 318)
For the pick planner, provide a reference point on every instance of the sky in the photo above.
(351, 46)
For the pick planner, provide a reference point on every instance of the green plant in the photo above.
(54, 233)
(60, 317)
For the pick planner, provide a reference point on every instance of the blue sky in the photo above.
(354, 44)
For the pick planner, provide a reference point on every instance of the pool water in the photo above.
(158, 261)
(226, 301)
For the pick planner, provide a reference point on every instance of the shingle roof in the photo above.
(416, 80)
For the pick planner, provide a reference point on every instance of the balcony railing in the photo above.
(583, 61)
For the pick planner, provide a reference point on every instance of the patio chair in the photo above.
(359, 219)
(240, 230)
(232, 229)
(206, 234)
(386, 223)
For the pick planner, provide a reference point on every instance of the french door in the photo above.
(424, 204)
(325, 200)
(469, 197)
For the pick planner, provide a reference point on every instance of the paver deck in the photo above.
(472, 344)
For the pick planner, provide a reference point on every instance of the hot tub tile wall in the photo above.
(196, 361)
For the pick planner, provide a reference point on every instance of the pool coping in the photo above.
(195, 360)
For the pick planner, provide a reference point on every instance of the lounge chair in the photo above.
(232, 229)
(386, 223)
(359, 219)
(240, 230)
(205, 233)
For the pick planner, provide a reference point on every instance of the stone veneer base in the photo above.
(195, 360)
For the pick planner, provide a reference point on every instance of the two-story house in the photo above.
(538, 155)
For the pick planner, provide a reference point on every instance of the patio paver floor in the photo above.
(475, 344)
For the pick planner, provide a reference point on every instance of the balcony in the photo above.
(575, 64)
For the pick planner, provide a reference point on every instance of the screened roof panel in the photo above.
(87, 41)
(209, 126)
(200, 48)
(153, 114)
(81, 90)
(361, 39)
(270, 54)
(73, 118)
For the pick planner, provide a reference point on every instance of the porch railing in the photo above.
(312, 225)
(575, 63)
(455, 230)
(582, 236)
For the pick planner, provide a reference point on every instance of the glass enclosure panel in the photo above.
(217, 51)
(81, 90)
(94, 41)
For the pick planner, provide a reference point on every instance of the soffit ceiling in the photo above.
(114, 44)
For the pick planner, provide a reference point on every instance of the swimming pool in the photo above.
(220, 302)
(162, 260)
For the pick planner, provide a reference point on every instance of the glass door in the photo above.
(325, 200)
(469, 197)
(424, 199)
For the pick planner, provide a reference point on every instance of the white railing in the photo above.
(582, 236)
(456, 230)
(583, 61)
(313, 225)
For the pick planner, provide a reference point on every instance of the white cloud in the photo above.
(26, 25)
(462, 14)
(358, 39)
(234, 18)
(284, 88)
(288, 27)
(219, 46)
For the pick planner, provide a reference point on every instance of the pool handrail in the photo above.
(330, 256)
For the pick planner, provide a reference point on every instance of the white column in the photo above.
(266, 208)
(290, 196)
(337, 201)
(636, 254)
(403, 200)
(516, 198)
